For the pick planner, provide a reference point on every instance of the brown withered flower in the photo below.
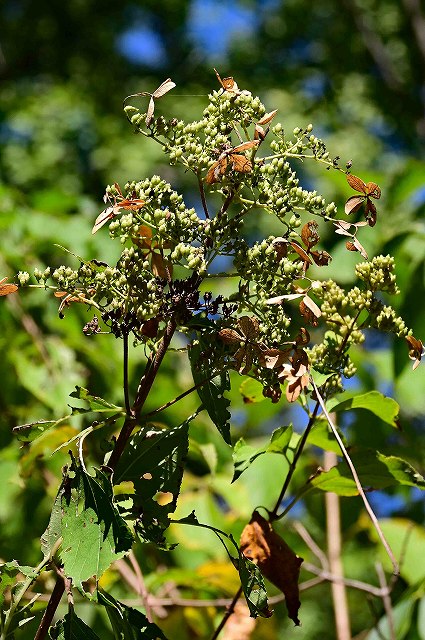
(416, 350)
(368, 190)
(246, 338)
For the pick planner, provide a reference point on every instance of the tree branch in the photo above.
(333, 534)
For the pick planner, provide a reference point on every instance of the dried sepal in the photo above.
(6, 288)
(356, 183)
(163, 88)
(310, 311)
(238, 162)
(267, 117)
(273, 358)
(229, 336)
(355, 245)
(116, 203)
(321, 258)
(353, 204)
(280, 245)
(416, 350)
(275, 559)
(228, 84)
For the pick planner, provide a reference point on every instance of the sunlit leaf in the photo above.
(244, 455)
(93, 532)
(387, 409)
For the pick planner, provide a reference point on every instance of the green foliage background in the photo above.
(355, 69)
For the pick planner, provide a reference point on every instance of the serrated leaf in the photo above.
(153, 461)
(253, 587)
(50, 538)
(72, 628)
(375, 471)
(128, 623)
(385, 408)
(244, 455)
(212, 392)
(29, 432)
(95, 403)
(93, 532)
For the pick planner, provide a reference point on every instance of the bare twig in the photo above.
(141, 586)
(386, 599)
(227, 615)
(333, 534)
(372, 516)
(311, 544)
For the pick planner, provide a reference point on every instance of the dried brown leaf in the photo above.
(309, 234)
(296, 247)
(229, 336)
(275, 559)
(6, 288)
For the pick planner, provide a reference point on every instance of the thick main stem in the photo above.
(143, 390)
(333, 534)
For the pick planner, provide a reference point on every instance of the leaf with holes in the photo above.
(128, 623)
(72, 628)
(93, 532)
(153, 461)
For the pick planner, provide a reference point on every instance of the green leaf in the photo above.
(375, 471)
(95, 403)
(128, 623)
(251, 390)
(72, 628)
(253, 587)
(320, 378)
(407, 540)
(212, 392)
(8, 573)
(244, 455)
(321, 436)
(32, 430)
(385, 408)
(50, 538)
(153, 461)
(402, 619)
(94, 534)
(16, 615)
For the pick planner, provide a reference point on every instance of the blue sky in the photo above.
(211, 27)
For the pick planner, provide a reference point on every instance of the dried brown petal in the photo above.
(267, 117)
(229, 336)
(416, 351)
(244, 146)
(296, 247)
(228, 84)
(273, 358)
(217, 170)
(149, 113)
(249, 327)
(103, 217)
(309, 234)
(309, 310)
(321, 258)
(164, 88)
(280, 245)
(6, 288)
(357, 183)
(353, 204)
(150, 328)
(350, 246)
(275, 559)
(240, 163)
(303, 337)
(373, 190)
